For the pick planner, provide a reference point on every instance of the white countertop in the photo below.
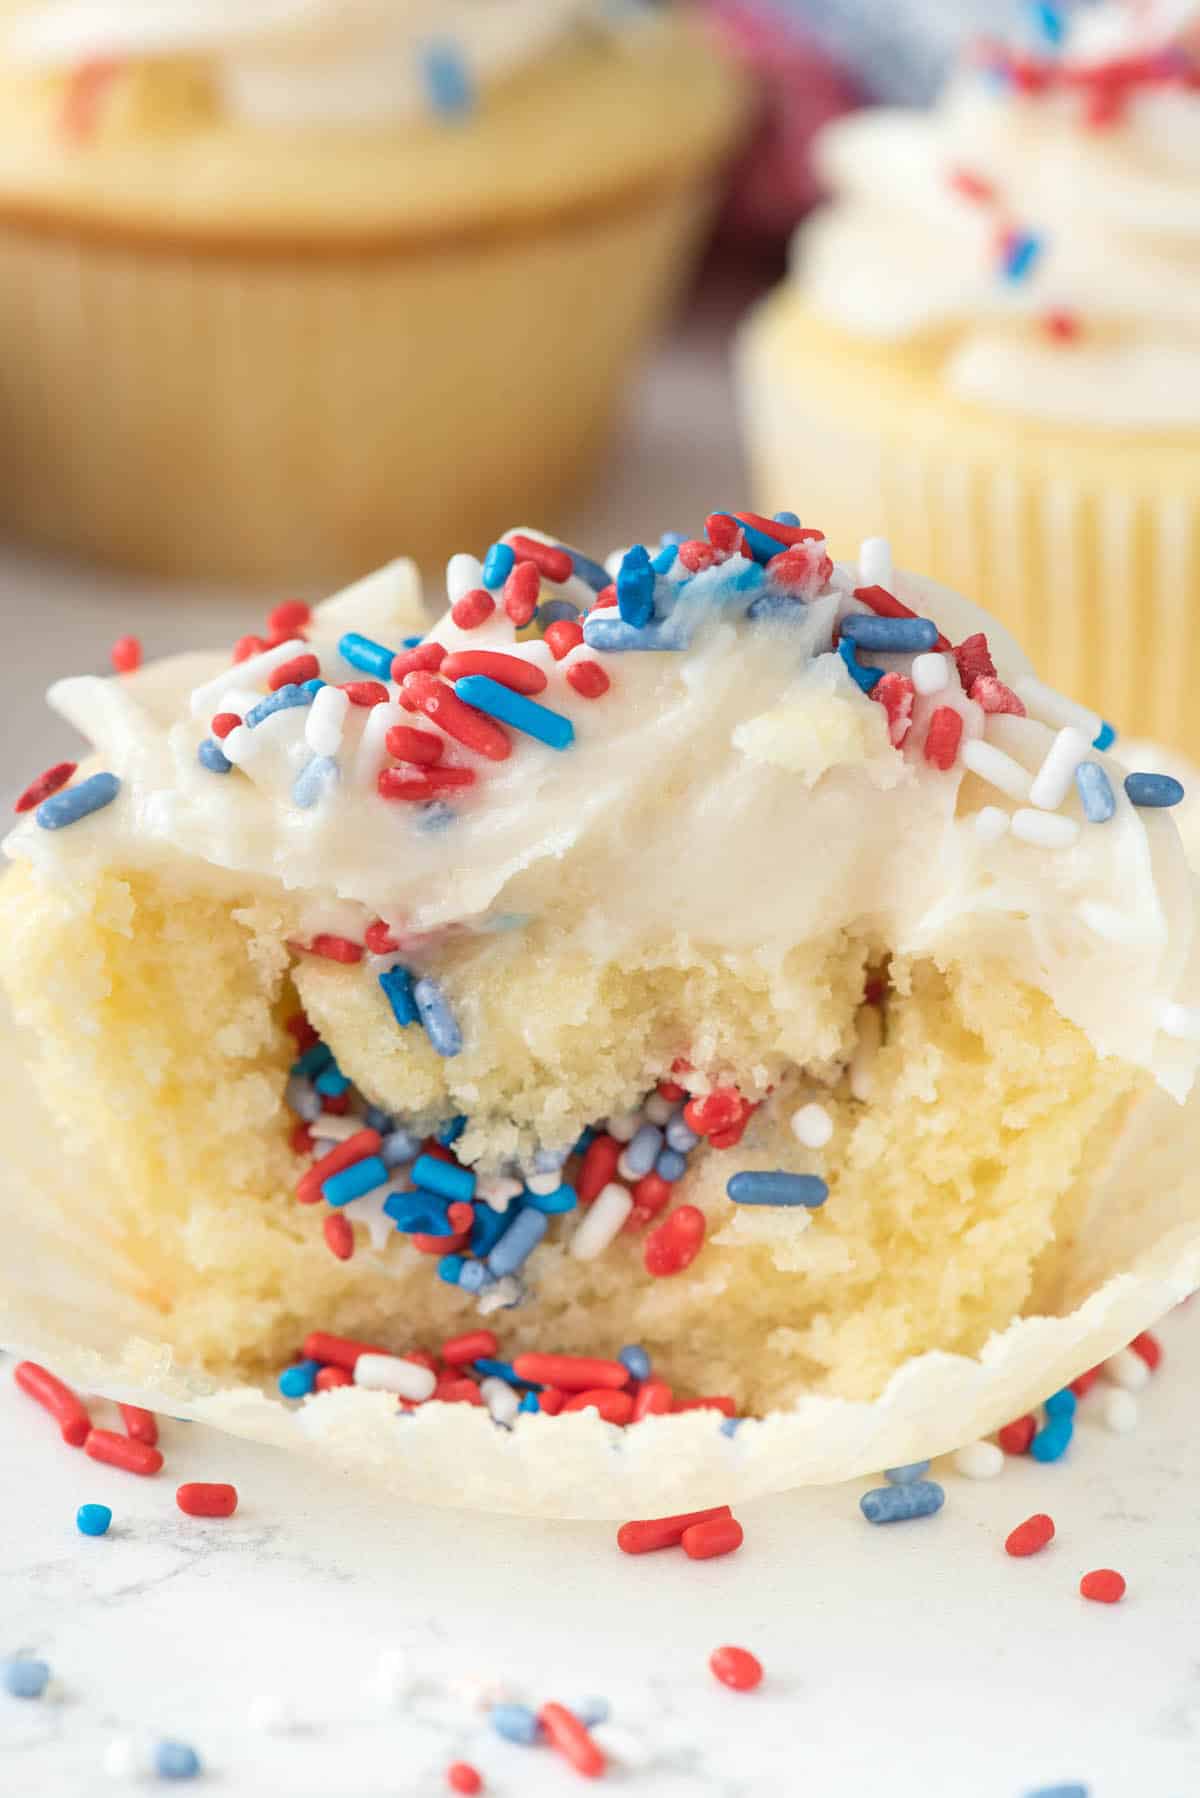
(908, 1662)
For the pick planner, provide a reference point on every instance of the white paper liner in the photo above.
(60, 1303)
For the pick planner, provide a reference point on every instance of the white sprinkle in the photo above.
(507, 1291)
(930, 672)
(270, 1713)
(498, 1190)
(371, 756)
(1182, 1021)
(325, 723)
(395, 1676)
(1055, 778)
(812, 1125)
(625, 1126)
(124, 1759)
(463, 574)
(500, 1398)
(388, 1373)
(862, 1062)
(544, 1183)
(1055, 708)
(1127, 1370)
(997, 768)
(1117, 926)
(244, 747)
(602, 1222)
(1120, 1412)
(991, 824)
(979, 1461)
(1044, 829)
(339, 1129)
(623, 1746)
(658, 1110)
(874, 562)
(253, 673)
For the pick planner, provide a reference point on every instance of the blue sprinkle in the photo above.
(498, 564)
(680, 1136)
(352, 1182)
(1143, 789)
(441, 1026)
(418, 1214)
(367, 657)
(488, 1228)
(635, 587)
(1069, 1791)
(529, 1402)
(896, 1504)
(515, 1722)
(1049, 21)
(786, 518)
(783, 607)
(435, 816)
(448, 1133)
(731, 1425)
(210, 755)
(636, 1360)
(557, 611)
(314, 686)
(1052, 1441)
(176, 1760)
(399, 1146)
(584, 1141)
(890, 635)
(475, 1277)
(1105, 737)
(313, 781)
(518, 1242)
(397, 986)
(592, 1711)
(555, 1203)
(589, 572)
(285, 700)
(548, 1161)
(758, 544)
(905, 1476)
(747, 578)
(300, 1097)
(665, 560)
(375, 1119)
(446, 79)
(670, 1166)
(74, 803)
(313, 1061)
(332, 1082)
(604, 631)
(1020, 253)
(24, 1678)
(502, 1370)
(866, 678)
(641, 1151)
(92, 1520)
(487, 695)
(445, 1178)
(298, 1380)
(1096, 792)
(1061, 1404)
(673, 537)
(778, 1188)
(411, 642)
(450, 1269)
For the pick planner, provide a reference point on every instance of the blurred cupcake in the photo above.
(991, 342)
(284, 282)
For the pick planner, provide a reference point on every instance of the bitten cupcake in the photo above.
(991, 343)
(280, 281)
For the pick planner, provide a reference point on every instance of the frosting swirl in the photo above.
(1039, 230)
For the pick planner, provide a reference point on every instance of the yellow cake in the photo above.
(989, 343)
(277, 293)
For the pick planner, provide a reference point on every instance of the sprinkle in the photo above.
(518, 1242)
(326, 722)
(1044, 829)
(1053, 1440)
(46, 785)
(118, 1451)
(465, 723)
(338, 1232)
(176, 1760)
(22, 1677)
(866, 678)
(875, 562)
(487, 695)
(301, 668)
(392, 1373)
(1095, 792)
(562, 636)
(284, 700)
(1019, 251)
(353, 1181)
(587, 678)
(521, 592)
(1180, 1021)
(1061, 1404)
(1068, 1791)
(461, 1776)
(446, 78)
(1103, 1586)
(67, 1410)
(473, 609)
(75, 803)
(589, 572)
(422, 658)
(896, 1504)
(368, 657)
(602, 1223)
(889, 635)
(1015, 1437)
(126, 655)
(998, 769)
(1105, 737)
(1127, 1370)
(445, 1178)
(203, 1499)
(943, 737)
(778, 1188)
(635, 587)
(674, 1245)
(571, 1373)
(93, 1520)
(979, 1461)
(1052, 782)
(930, 673)
(1030, 1537)
(337, 1351)
(1149, 1348)
(636, 1360)
(515, 1722)
(1056, 709)
(907, 1475)
(570, 1737)
(336, 948)
(140, 1424)
(551, 560)
(736, 1668)
(994, 698)
(1153, 789)
(895, 693)
(1120, 1410)
(500, 1398)
(708, 1541)
(314, 781)
(498, 564)
(289, 619)
(438, 1020)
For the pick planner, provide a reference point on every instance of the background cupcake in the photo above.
(991, 343)
(285, 282)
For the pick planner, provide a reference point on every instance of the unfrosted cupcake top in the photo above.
(1041, 227)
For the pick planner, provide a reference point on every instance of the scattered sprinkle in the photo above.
(1103, 1586)
(1030, 1537)
(736, 1668)
(93, 1520)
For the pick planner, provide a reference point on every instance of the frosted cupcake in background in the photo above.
(991, 342)
(281, 280)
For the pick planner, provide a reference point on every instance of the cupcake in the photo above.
(989, 342)
(716, 1010)
(286, 283)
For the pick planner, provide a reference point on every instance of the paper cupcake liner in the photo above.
(294, 419)
(1087, 547)
(62, 1302)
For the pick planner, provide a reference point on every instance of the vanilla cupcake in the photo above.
(990, 341)
(284, 280)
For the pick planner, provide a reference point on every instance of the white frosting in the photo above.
(901, 254)
(742, 795)
(330, 62)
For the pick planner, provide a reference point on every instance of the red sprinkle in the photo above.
(343, 1154)
(329, 1377)
(549, 560)
(572, 1740)
(722, 1109)
(1015, 1437)
(245, 647)
(588, 679)
(457, 1392)
(1031, 1536)
(294, 673)
(336, 948)
(973, 658)
(551, 1400)
(201, 1499)
(676, 1242)
(469, 612)
(462, 1222)
(724, 533)
(654, 1399)
(1062, 326)
(717, 1402)
(223, 723)
(408, 744)
(886, 605)
(291, 619)
(301, 1138)
(696, 555)
(476, 1345)
(140, 1425)
(896, 693)
(614, 1407)
(943, 737)
(993, 696)
(521, 591)
(426, 658)
(651, 1193)
(298, 1026)
(339, 1235)
(67, 1410)
(118, 1451)
(606, 597)
(426, 693)
(126, 655)
(422, 783)
(706, 1541)
(787, 534)
(562, 637)
(736, 1667)
(1103, 1586)
(571, 1373)
(972, 187)
(337, 1104)
(1149, 1348)
(47, 784)
(1083, 1385)
(511, 671)
(461, 1776)
(85, 91)
(668, 1090)
(365, 692)
(647, 1535)
(338, 1351)
(598, 1167)
(379, 939)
